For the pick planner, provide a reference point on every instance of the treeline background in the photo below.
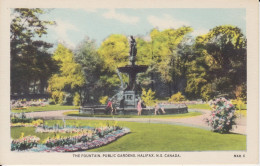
(204, 67)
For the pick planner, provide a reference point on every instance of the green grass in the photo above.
(243, 111)
(199, 106)
(16, 133)
(47, 108)
(173, 116)
(207, 106)
(156, 137)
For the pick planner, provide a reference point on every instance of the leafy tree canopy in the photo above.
(70, 77)
(115, 52)
(92, 66)
(30, 59)
(220, 63)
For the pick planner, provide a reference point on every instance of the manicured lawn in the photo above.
(186, 115)
(155, 137)
(243, 111)
(16, 133)
(207, 106)
(47, 108)
(199, 106)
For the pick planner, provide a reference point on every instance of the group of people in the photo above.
(111, 107)
(157, 108)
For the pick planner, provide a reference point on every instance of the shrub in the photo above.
(240, 92)
(34, 123)
(21, 119)
(76, 99)
(148, 97)
(103, 99)
(239, 103)
(222, 116)
(51, 101)
(58, 97)
(177, 97)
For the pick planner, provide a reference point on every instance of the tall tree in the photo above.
(114, 52)
(69, 80)
(86, 55)
(30, 59)
(161, 53)
(220, 65)
(144, 57)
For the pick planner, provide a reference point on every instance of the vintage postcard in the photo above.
(138, 82)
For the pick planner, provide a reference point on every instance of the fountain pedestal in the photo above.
(132, 92)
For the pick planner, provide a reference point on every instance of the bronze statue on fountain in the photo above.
(132, 92)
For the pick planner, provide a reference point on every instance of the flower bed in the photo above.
(20, 118)
(75, 146)
(23, 104)
(60, 129)
(24, 143)
(34, 123)
(85, 138)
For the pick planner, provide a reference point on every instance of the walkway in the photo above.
(196, 121)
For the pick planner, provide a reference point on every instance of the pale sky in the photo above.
(73, 25)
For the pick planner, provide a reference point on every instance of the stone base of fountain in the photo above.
(100, 110)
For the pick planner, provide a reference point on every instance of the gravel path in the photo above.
(196, 121)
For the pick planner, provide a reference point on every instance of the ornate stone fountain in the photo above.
(127, 97)
(132, 92)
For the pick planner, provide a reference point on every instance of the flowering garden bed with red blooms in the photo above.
(24, 143)
(85, 138)
(75, 144)
(23, 104)
(222, 115)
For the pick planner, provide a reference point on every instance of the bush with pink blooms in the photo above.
(81, 138)
(222, 116)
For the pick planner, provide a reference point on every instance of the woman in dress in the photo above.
(139, 107)
(156, 109)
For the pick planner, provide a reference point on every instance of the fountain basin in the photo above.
(169, 109)
(133, 69)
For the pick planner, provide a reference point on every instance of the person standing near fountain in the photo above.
(113, 106)
(109, 107)
(139, 107)
(122, 103)
(156, 109)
